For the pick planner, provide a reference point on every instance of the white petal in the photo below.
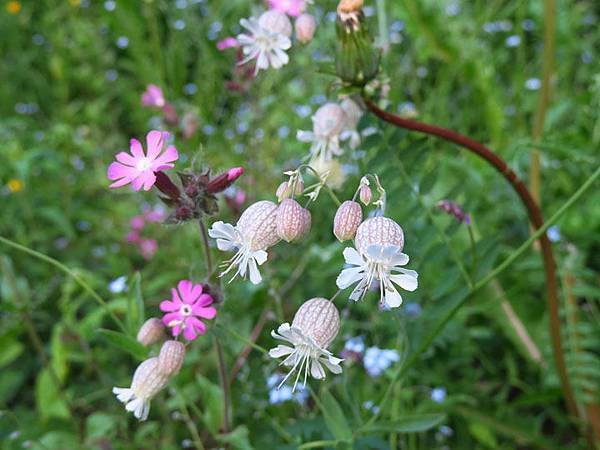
(400, 259)
(305, 136)
(260, 256)
(316, 370)
(123, 394)
(226, 245)
(255, 277)
(222, 230)
(412, 273)
(351, 256)
(392, 298)
(348, 277)
(333, 364)
(280, 350)
(406, 282)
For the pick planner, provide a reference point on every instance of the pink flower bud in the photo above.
(319, 319)
(258, 225)
(293, 221)
(379, 231)
(305, 28)
(151, 331)
(170, 358)
(276, 22)
(365, 194)
(347, 219)
(170, 115)
(223, 181)
(283, 191)
(153, 96)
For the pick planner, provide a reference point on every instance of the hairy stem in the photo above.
(535, 217)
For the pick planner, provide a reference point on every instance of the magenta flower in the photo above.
(228, 42)
(137, 222)
(290, 7)
(148, 248)
(187, 305)
(139, 168)
(153, 96)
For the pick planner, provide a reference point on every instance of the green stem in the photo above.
(475, 261)
(86, 287)
(225, 386)
(318, 444)
(491, 275)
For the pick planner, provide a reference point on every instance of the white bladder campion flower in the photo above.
(315, 326)
(353, 116)
(267, 40)
(328, 123)
(255, 232)
(378, 257)
(147, 382)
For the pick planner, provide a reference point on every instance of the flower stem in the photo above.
(224, 385)
(535, 217)
(86, 287)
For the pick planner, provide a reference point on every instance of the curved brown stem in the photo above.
(535, 216)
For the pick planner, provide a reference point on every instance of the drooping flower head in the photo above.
(255, 232)
(290, 7)
(347, 220)
(139, 168)
(151, 332)
(147, 382)
(378, 257)
(305, 27)
(153, 97)
(328, 123)
(266, 41)
(293, 221)
(315, 326)
(189, 303)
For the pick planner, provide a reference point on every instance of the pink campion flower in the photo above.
(187, 305)
(228, 42)
(290, 7)
(153, 96)
(138, 168)
(137, 222)
(148, 248)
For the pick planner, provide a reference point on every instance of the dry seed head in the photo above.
(380, 231)
(319, 319)
(305, 27)
(329, 120)
(151, 331)
(170, 358)
(276, 22)
(148, 380)
(258, 225)
(347, 219)
(293, 221)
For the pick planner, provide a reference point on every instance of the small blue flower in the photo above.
(553, 233)
(284, 393)
(438, 394)
(377, 360)
(118, 285)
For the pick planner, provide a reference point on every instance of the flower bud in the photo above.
(319, 319)
(151, 331)
(258, 225)
(170, 358)
(293, 221)
(347, 219)
(365, 194)
(276, 22)
(283, 191)
(223, 181)
(329, 120)
(305, 28)
(380, 231)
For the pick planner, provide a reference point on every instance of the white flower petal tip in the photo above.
(265, 42)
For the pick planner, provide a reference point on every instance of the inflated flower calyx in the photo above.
(258, 225)
(151, 332)
(293, 221)
(329, 120)
(378, 231)
(276, 22)
(319, 319)
(305, 27)
(347, 219)
(170, 358)
(356, 59)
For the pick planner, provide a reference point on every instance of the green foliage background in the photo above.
(62, 57)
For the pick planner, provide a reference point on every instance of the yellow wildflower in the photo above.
(14, 185)
(13, 7)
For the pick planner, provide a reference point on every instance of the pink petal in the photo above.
(172, 317)
(117, 170)
(193, 322)
(176, 330)
(175, 297)
(189, 333)
(167, 306)
(162, 162)
(184, 287)
(206, 313)
(204, 300)
(155, 140)
(125, 158)
(121, 182)
(145, 179)
(136, 149)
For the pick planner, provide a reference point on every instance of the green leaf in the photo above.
(48, 399)
(56, 439)
(10, 349)
(135, 305)
(334, 417)
(100, 425)
(59, 352)
(238, 438)
(212, 397)
(124, 342)
(414, 423)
